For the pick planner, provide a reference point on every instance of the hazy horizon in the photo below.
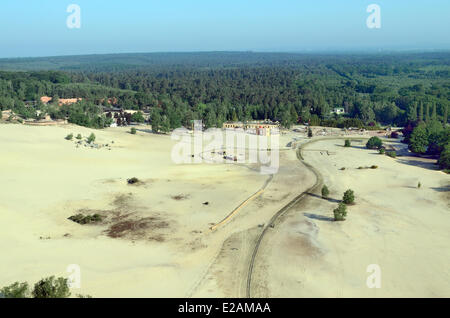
(40, 29)
(321, 52)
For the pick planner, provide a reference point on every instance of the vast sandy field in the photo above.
(156, 239)
(402, 229)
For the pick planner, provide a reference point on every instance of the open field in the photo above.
(157, 228)
(155, 239)
(403, 229)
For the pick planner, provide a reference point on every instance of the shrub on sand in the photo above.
(133, 180)
(51, 287)
(325, 192)
(16, 290)
(349, 197)
(374, 143)
(91, 138)
(340, 212)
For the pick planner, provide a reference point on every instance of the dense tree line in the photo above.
(431, 138)
(177, 88)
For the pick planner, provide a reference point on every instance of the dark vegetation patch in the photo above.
(180, 197)
(134, 181)
(137, 228)
(371, 167)
(125, 220)
(86, 219)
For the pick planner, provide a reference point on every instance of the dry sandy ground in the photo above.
(155, 240)
(403, 229)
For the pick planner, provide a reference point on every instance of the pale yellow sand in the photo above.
(46, 179)
(403, 229)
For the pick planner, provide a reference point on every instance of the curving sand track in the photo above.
(277, 238)
(395, 225)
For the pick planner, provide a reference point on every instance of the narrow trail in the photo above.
(317, 185)
(296, 200)
(246, 287)
(237, 209)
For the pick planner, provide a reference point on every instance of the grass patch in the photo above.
(133, 180)
(86, 219)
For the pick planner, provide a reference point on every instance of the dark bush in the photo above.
(69, 137)
(349, 197)
(91, 138)
(133, 131)
(392, 154)
(16, 290)
(133, 180)
(51, 287)
(340, 212)
(374, 143)
(86, 219)
(325, 192)
(347, 143)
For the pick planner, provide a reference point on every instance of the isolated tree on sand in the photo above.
(91, 138)
(340, 212)
(16, 290)
(347, 143)
(51, 287)
(374, 143)
(325, 192)
(349, 197)
(310, 133)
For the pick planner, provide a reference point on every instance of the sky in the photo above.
(39, 28)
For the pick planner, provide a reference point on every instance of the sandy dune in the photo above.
(403, 229)
(161, 246)
(156, 239)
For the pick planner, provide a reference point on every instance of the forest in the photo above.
(387, 89)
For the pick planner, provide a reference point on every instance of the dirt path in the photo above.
(231, 271)
(236, 210)
(295, 201)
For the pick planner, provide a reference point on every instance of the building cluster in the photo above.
(258, 128)
(61, 101)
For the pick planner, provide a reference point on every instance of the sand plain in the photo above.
(394, 225)
(156, 239)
